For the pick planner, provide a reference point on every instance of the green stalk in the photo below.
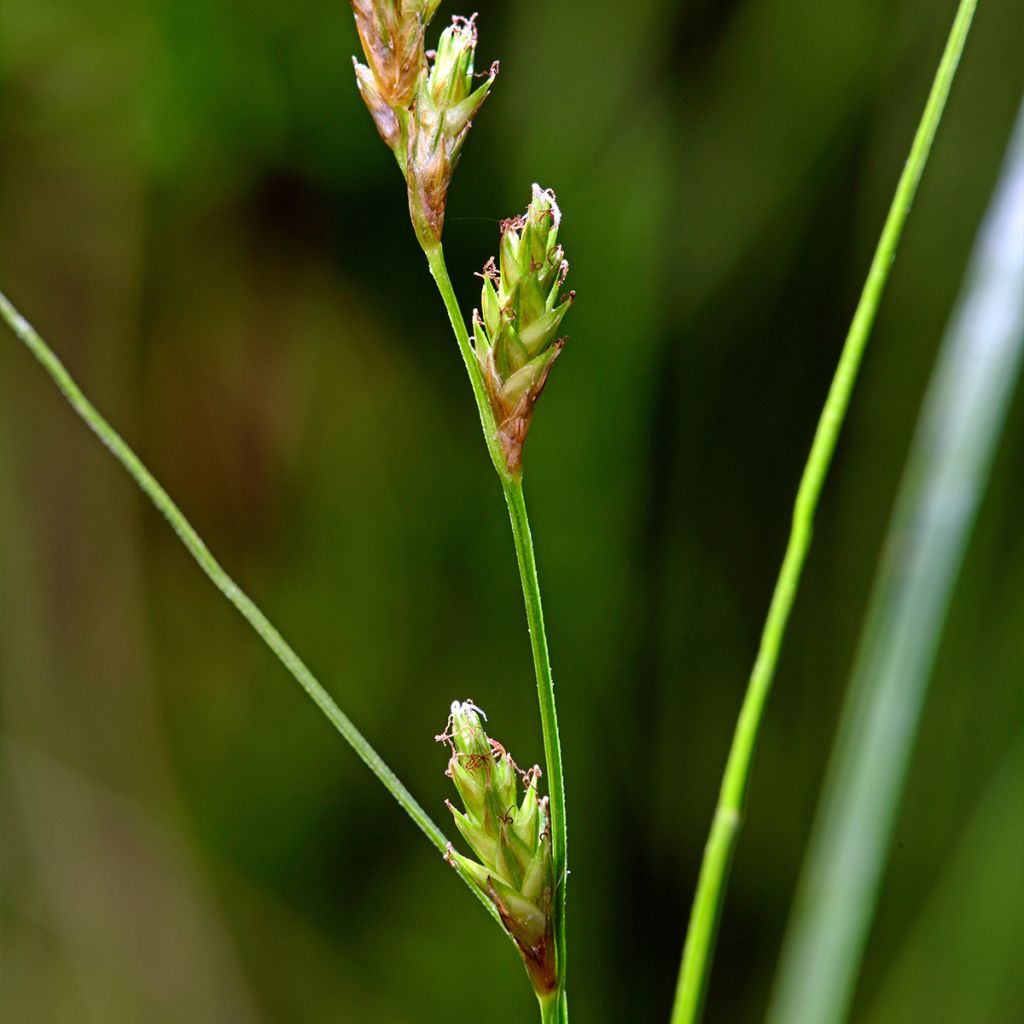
(711, 883)
(553, 1010)
(513, 488)
(942, 486)
(548, 715)
(439, 271)
(152, 489)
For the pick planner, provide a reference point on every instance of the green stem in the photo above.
(513, 488)
(439, 271)
(553, 1009)
(711, 883)
(548, 714)
(223, 582)
(961, 422)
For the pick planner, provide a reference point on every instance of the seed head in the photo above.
(520, 311)
(442, 114)
(510, 837)
(421, 102)
(391, 32)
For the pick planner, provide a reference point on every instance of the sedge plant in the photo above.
(422, 102)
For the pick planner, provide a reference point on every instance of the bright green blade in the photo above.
(943, 482)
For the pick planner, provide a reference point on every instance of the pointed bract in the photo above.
(384, 116)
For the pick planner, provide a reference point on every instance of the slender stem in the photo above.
(961, 422)
(707, 905)
(439, 271)
(513, 489)
(553, 1009)
(223, 582)
(546, 696)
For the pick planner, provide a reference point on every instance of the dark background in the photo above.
(197, 213)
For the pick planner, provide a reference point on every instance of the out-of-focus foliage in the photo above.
(197, 212)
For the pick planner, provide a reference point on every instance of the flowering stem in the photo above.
(439, 271)
(152, 489)
(548, 714)
(555, 1008)
(711, 883)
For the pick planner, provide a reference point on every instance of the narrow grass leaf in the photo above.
(943, 482)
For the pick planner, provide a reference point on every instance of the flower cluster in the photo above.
(392, 36)
(422, 102)
(511, 838)
(515, 330)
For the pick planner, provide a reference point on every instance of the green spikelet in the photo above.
(515, 330)
(422, 102)
(511, 838)
(442, 115)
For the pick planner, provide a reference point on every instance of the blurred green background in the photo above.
(197, 213)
